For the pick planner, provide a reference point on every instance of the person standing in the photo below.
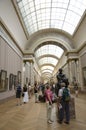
(29, 90)
(48, 96)
(36, 93)
(18, 94)
(63, 107)
(76, 88)
(25, 96)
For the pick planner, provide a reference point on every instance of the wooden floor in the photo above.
(32, 116)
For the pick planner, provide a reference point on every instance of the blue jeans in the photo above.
(64, 112)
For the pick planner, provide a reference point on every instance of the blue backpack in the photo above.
(66, 95)
(19, 88)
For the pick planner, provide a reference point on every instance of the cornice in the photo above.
(81, 47)
(28, 60)
(72, 59)
(76, 51)
(2, 24)
(19, 17)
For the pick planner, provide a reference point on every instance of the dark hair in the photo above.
(47, 86)
(60, 70)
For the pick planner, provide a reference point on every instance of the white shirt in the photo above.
(60, 92)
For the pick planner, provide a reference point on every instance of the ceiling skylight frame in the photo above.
(49, 49)
(47, 9)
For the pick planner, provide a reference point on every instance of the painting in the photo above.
(19, 76)
(15, 81)
(0, 79)
(6, 83)
(3, 75)
(84, 76)
(26, 80)
(10, 81)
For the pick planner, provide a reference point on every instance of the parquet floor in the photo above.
(32, 116)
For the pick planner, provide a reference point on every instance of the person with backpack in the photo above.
(18, 94)
(63, 107)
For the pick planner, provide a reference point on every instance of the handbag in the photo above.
(22, 94)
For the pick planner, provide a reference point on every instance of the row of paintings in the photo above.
(12, 80)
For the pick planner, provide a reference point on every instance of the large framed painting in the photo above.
(19, 76)
(0, 79)
(84, 76)
(26, 80)
(3, 76)
(15, 81)
(10, 81)
(6, 83)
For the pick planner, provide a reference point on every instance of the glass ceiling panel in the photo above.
(46, 74)
(60, 14)
(49, 49)
(50, 71)
(48, 60)
(47, 67)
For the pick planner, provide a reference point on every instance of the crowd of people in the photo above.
(50, 93)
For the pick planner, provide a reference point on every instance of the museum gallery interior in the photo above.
(37, 37)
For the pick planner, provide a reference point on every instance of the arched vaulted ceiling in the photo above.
(47, 56)
(42, 14)
(42, 37)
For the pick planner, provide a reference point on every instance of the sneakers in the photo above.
(49, 121)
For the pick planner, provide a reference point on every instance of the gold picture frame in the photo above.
(19, 76)
(84, 77)
(10, 81)
(3, 76)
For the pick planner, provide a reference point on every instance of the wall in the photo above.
(11, 62)
(11, 20)
(80, 35)
(82, 62)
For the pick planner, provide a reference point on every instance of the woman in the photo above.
(36, 93)
(25, 94)
(48, 96)
(76, 88)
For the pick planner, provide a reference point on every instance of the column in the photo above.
(69, 70)
(32, 73)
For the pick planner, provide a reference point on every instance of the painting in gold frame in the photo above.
(3, 76)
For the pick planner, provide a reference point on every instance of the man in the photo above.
(63, 106)
(18, 94)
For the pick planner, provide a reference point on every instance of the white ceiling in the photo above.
(41, 14)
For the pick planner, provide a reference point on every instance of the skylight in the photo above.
(48, 60)
(44, 14)
(48, 57)
(49, 49)
(46, 70)
(47, 67)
